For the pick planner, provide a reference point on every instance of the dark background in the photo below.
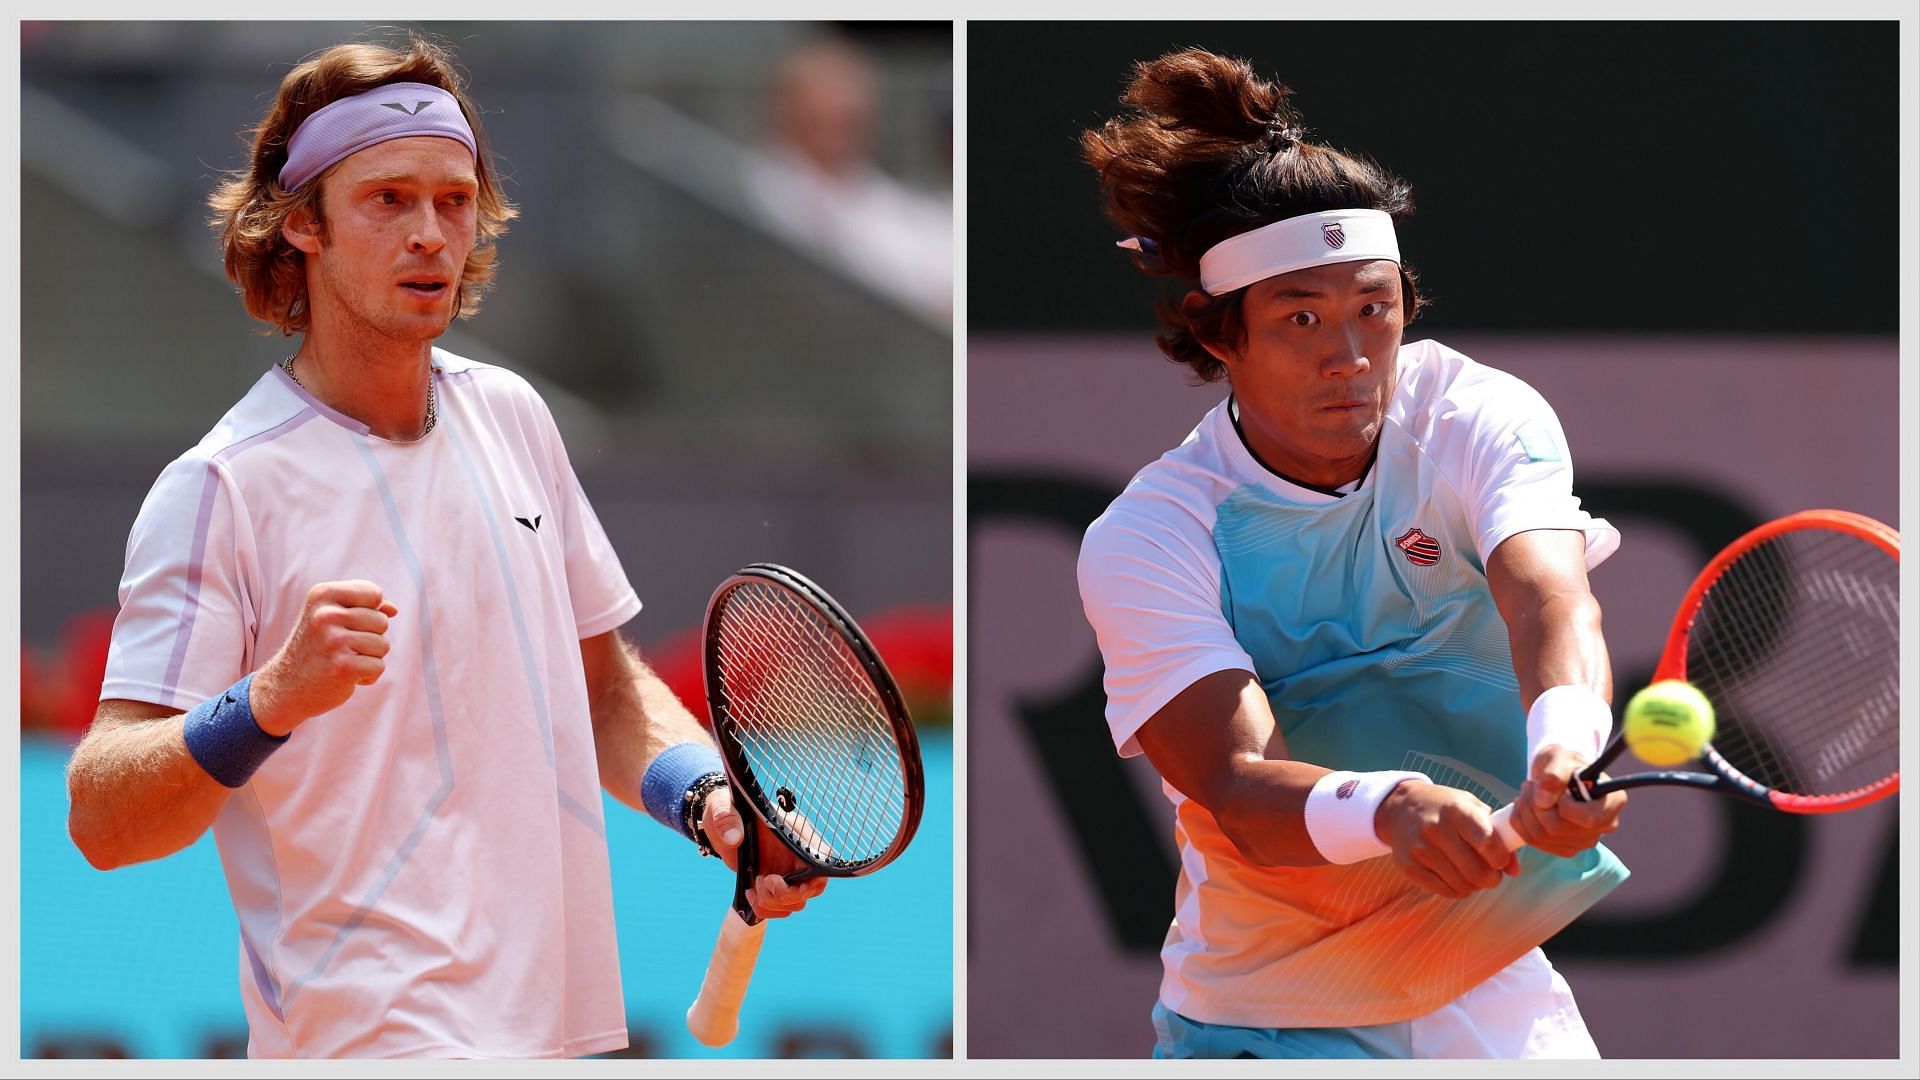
(1686, 237)
(1567, 177)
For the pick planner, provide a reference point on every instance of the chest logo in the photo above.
(1421, 549)
(531, 523)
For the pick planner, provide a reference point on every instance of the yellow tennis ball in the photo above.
(1668, 723)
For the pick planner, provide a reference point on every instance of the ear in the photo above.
(302, 230)
(1189, 304)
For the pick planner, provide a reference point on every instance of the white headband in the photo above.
(1333, 236)
(394, 111)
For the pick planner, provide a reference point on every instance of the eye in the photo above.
(1378, 307)
(1303, 318)
(386, 198)
(459, 198)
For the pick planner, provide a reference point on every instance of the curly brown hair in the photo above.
(250, 207)
(1206, 151)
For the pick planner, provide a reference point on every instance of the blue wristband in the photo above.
(663, 790)
(223, 737)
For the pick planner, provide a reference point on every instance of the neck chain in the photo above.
(433, 416)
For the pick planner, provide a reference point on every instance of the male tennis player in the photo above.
(1345, 618)
(368, 625)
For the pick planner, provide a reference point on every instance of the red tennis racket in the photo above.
(1793, 633)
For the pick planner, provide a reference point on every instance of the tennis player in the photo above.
(368, 626)
(1344, 618)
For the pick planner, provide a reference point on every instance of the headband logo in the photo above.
(415, 111)
(1333, 234)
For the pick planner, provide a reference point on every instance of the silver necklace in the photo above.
(433, 415)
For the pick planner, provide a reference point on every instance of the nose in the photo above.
(425, 237)
(1349, 356)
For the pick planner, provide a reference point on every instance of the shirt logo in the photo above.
(1346, 790)
(1421, 549)
(415, 111)
(1335, 236)
(533, 524)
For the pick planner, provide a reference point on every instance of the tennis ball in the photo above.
(1668, 723)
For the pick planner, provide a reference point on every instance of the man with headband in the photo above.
(368, 626)
(1347, 617)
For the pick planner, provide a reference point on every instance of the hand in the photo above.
(1442, 839)
(772, 897)
(338, 645)
(1548, 816)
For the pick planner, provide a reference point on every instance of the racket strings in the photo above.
(806, 741)
(818, 739)
(792, 719)
(1797, 644)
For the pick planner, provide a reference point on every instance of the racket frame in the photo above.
(740, 775)
(1722, 776)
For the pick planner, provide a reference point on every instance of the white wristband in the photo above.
(1340, 811)
(1574, 716)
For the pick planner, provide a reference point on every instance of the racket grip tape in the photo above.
(1502, 822)
(714, 1017)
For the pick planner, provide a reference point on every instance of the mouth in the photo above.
(431, 287)
(1345, 406)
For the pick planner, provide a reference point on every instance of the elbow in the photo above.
(91, 831)
(96, 847)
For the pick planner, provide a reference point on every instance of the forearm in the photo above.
(1217, 744)
(1558, 642)
(135, 792)
(1261, 806)
(635, 718)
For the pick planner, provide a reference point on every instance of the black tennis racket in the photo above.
(1793, 633)
(816, 740)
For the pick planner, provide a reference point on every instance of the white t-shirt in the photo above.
(423, 870)
(1368, 620)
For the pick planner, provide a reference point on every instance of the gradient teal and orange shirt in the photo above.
(1367, 618)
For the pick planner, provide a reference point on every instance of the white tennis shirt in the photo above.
(422, 871)
(1369, 622)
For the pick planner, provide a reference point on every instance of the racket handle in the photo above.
(1502, 822)
(714, 1017)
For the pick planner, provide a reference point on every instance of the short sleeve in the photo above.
(603, 599)
(186, 626)
(1151, 590)
(1518, 473)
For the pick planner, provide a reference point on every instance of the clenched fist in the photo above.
(772, 897)
(339, 644)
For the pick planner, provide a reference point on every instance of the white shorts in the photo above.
(1525, 1010)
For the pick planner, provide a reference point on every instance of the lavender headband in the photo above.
(394, 111)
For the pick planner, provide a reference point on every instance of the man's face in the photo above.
(1317, 369)
(400, 221)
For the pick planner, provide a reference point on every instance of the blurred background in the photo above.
(731, 280)
(1685, 235)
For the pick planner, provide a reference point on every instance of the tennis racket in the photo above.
(815, 739)
(1793, 633)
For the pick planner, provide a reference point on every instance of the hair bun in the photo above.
(1282, 133)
